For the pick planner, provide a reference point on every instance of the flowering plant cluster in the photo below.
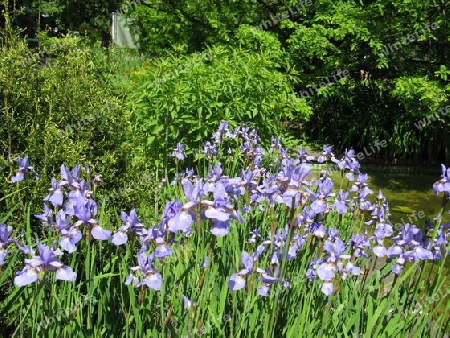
(305, 217)
(73, 197)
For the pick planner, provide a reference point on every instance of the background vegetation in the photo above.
(393, 86)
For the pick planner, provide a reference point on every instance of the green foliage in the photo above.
(402, 46)
(409, 90)
(362, 112)
(252, 39)
(402, 75)
(190, 26)
(392, 42)
(63, 111)
(183, 99)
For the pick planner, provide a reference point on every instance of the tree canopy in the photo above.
(395, 53)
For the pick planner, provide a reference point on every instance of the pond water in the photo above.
(414, 192)
(411, 197)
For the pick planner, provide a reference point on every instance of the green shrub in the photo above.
(63, 111)
(183, 99)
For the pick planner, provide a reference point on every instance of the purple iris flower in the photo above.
(219, 210)
(295, 246)
(255, 234)
(99, 233)
(297, 174)
(237, 280)
(223, 132)
(5, 232)
(275, 144)
(205, 263)
(223, 127)
(47, 261)
(303, 156)
(393, 252)
(418, 253)
(145, 270)
(364, 204)
(327, 288)
(319, 204)
(381, 197)
(318, 230)
(349, 269)
(209, 150)
(383, 230)
(263, 290)
(325, 186)
(292, 178)
(353, 167)
(326, 271)
(220, 228)
(70, 237)
(409, 235)
(268, 280)
(284, 176)
(84, 213)
(181, 222)
(260, 249)
(23, 171)
(170, 211)
(359, 243)
(341, 202)
(191, 191)
(179, 152)
(246, 148)
(380, 213)
(379, 251)
(62, 220)
(162, 249)
(80, 192)
(335, 250)
(311, 272)
(397, 268)
(268, 189)
(214, 175)
(325, 154)
(443, 185)
(186, 215)
(130, 223)
(187, 304)
(47, 217)
(70, 179)
(348, 162)
(55, 196)
(306, 217)
(412, 237)
(360, 182)
(257, 156)
(365, 192)
(120, 237)
(441, 238)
